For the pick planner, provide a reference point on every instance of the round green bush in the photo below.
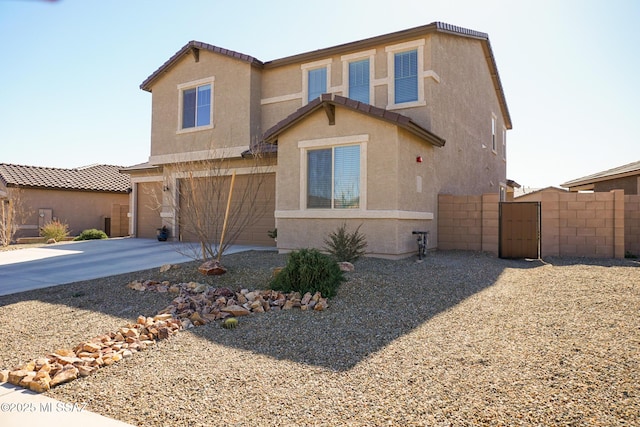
(309, 270)
(92, 234)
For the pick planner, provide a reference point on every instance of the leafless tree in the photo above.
(12, 213)
(215, 200)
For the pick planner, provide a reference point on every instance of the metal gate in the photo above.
(519, 230)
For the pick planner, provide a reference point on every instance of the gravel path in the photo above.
(461, 339)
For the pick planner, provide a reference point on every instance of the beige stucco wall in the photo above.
(461, 106)
(236, 111)
(80, 210)
(459, 101)
(392, 198)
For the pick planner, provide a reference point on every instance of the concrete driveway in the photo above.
(35, 268)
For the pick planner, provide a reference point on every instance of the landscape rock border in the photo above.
(196, 304)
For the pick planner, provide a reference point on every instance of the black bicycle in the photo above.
(423, 241)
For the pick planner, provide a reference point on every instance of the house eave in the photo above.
(333, 100)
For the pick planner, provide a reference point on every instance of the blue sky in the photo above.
(71, 70)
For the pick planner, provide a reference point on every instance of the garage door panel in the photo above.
(251, 212)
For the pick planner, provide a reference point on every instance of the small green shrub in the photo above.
(55, 230)
(345, 246)
(92, 234)
(309, 270)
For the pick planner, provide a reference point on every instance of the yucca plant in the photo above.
(345, 246)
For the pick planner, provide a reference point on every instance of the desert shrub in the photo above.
(55, 230)
(345, 246)
(92, 234)
(309, 270)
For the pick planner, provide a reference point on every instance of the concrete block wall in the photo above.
(599, 225)
(460, 222)
(582, 224)
(632, 224)
(490, 223)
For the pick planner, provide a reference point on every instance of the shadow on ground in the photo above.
(381, 301)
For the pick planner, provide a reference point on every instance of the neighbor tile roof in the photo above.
(380, 113)
(617, 172)
(104, 178)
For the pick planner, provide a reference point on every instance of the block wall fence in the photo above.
(599, 225)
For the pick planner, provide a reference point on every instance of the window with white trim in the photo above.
(316, 79)
(494, 143)
(196, 104)
(405, 65)
(359, 80)
(504, 143)
(333, 177)
(317, 83)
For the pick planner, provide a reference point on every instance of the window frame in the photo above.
(504, 143)
(347, 60)
(311, 66)
(418, 46)
(494, 132)
(181, 88)
(332, 143)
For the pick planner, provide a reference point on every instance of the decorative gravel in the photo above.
(462, 338)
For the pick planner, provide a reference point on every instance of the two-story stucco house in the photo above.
(368, 132)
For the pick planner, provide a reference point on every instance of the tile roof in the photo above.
(379, 113)
(103, 178)
(617, 172)
(190, 48)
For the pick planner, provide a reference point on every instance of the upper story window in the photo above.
(317, 83)
(494, 143)
(333, 178)
(359, 81)
(406, 76)
(315, 79)
(405, 65)
(504, 143)
(196, 104)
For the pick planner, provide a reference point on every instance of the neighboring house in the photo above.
(368, 132)
(533, 194)
(88, 197)
(625, 177)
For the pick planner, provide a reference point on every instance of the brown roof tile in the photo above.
(103, 178)
(187, 49)
(379, 113)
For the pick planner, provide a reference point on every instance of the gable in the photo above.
(193, 49)
(329, 102)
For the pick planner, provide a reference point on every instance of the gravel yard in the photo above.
(462, 338)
